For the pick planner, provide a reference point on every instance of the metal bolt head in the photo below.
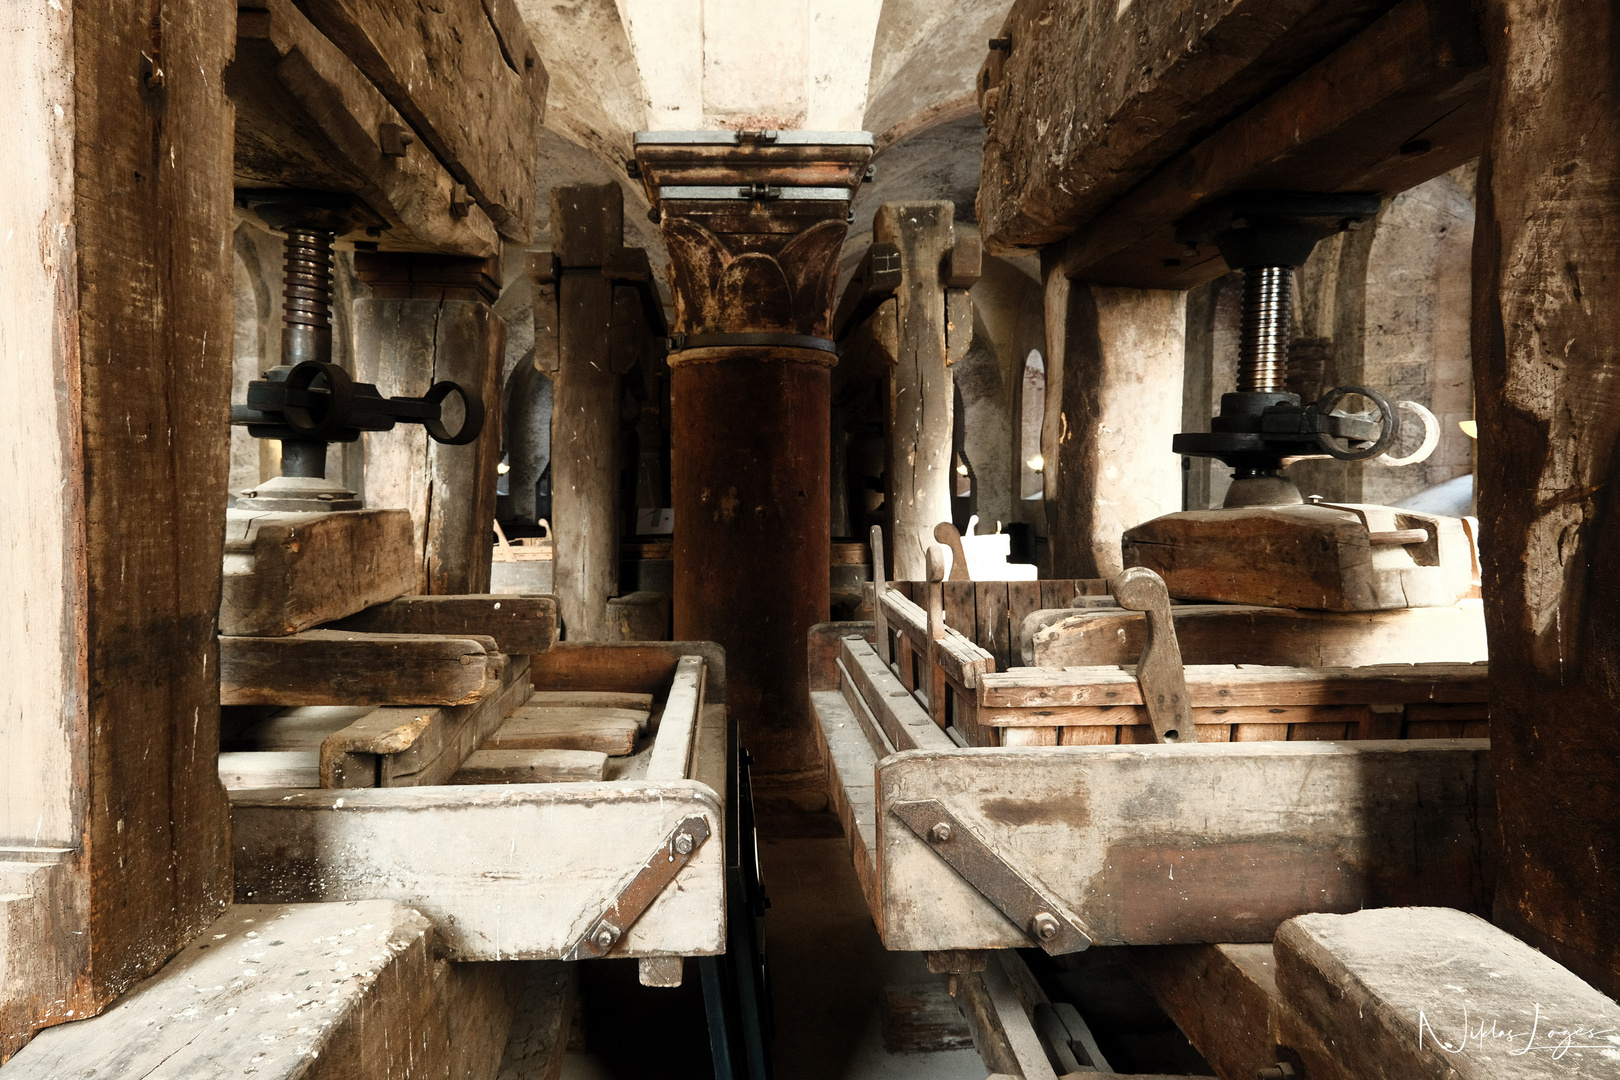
(1046, 926)
(604, 937)
(683, 844)
(940, 833)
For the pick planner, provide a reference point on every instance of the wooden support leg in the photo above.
(1547, 246)
(1120, 404)
(428, 319)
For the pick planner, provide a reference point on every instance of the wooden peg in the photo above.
(947, 534)
(1159, 672)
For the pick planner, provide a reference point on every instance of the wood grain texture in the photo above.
(1092, 97)
(473, 859)
(531, 767)
(642, 667)
(1166, 844)
(443, 66)
(1547, 235)
(307, 117)
(331, 667)
(553, 727)
(117, 308)
(281, 569)
(519, 624)
(386, 1007)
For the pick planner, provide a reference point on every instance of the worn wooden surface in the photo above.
(418, 746)
(1092, 96)
(875, 279)
(553, 727)
(1117, 386)
(919, 424)
(317, 991)
(1245, 634)
(678, 723)
(588, 226)
(1431, 992)
(281, 570)
(848, 748)
(116, 361)
(531, 767)
(1548, 235)
(1167, 843)
(473, 859)
(428, 319)
(1399, 104)
(541, 1022)
(472, 88)
(1224, 998)
(641, 667)
(307, 117)
(1306, 556)
(519, 624)
(331, 667)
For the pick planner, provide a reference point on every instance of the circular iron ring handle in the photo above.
(339, 410)
(472, 421)
(1391, 420)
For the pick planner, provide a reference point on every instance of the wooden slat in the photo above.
(444, 67)
(904, 721)
(643, 667)
(677, 730)
(550, 727)
(531, 767)
(519, 624)
(961, 613)
(992, 632)
(605, 699)
(330, 667)
(1275, 830)
(851, 776)
(1023, 599)
(243, 770)
(474, 859)
(962, 660)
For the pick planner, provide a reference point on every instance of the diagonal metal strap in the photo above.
(1051, 925)
(636, 897)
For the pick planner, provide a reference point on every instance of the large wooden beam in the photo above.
(306, 117)
(1168, 843)
(1092, 95)
(475, 860)
(1400, 103)
(469, 81)
(519, 624)
(1547, 244)
(331, 667)
(115, 298)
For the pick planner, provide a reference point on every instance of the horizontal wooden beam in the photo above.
(332, 667)
(1087, 97)
(519, 624)
(640, 667)
(1401, 103)
(505, 873)
(306, 117)
(471, 86)
(1166, 844)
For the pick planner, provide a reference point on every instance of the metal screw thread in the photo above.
(1268, 316)
(307, 309)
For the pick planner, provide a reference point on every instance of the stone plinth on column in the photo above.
(754, 222)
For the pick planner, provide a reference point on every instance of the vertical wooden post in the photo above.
(920, 399)
(587, 227)
(115, 298)
(1121, 368)
(1546, 269)
(428, 318)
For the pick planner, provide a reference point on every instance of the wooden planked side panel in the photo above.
(641, 667)
(961, 612)
(1118, 835)
(444, 68)
(992, 631)
(1023, 598)
(550, 727)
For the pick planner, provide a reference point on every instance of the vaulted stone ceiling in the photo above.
(902, 69)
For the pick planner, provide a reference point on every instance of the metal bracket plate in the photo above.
(1048, 923)
(637, 896)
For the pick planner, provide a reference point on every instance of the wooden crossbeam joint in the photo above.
(1048, 922)
(637, 896)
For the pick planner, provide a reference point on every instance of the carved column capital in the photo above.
(754, 223)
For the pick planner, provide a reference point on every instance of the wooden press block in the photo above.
(602, 699)
(288, 572)
(1426, 992)
(520, 625)
(1307, 556)
(560, 727)
(330, 667)
(531, 767)
(306, 991)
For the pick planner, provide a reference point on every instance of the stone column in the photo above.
(754, 223)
